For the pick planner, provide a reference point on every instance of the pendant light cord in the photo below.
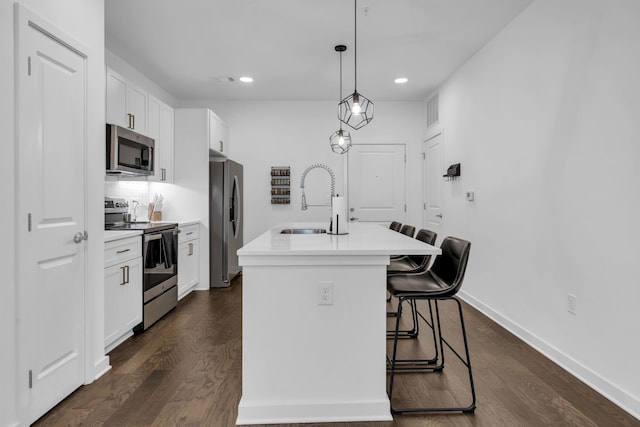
(340, 94)
(355, 44)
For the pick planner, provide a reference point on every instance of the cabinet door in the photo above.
(160, 121)
(131, 295)
(166, 136)
(153, 121)
(137, 108)
(183, 268)
(216, 142)
(188, 266)
(113, 281)
(116, 99)
(223, 136)
(194, 265)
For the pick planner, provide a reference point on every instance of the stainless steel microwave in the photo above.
(128, 152)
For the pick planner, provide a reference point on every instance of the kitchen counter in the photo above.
(314, 324)
(190, 222)
(111, 235)
(363, 239)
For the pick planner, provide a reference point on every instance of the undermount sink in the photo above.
(303, 231)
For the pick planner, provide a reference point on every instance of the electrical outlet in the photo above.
(325, 293)
(571, 303)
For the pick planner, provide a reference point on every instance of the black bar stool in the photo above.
(395, 226)
(408, 230)
(440, 283)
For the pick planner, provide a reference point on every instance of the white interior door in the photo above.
(432, 175)
(377, 182)
(51, 208)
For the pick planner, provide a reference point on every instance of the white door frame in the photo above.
(23, 19)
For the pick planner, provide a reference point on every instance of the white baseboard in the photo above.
(300, 412)
(615, 394)
(101, 367)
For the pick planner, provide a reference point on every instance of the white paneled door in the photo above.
(377, 182)
(432, 185)
(51, 81)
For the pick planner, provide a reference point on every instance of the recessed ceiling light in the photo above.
(401, 80)
(246, 79)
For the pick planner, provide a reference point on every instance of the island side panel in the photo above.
(304, 362)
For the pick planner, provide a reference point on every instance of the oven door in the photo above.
(160, 257)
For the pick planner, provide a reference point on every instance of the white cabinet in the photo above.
(126, 103)
(218, 135)
(161, 130)
(122, 290)
(188, 259)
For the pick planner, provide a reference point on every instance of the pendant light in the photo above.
(356, 109)
(340, 140)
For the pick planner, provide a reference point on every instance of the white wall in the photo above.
(296, 134)
(544, 120)
(84, 21)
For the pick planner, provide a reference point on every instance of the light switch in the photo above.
(470, 196)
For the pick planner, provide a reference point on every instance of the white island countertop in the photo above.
(363, 239)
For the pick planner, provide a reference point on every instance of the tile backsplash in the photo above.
(131, 191)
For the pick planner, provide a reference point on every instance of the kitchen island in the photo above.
(314, 324)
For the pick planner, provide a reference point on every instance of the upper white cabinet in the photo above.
(218, 135)
(161, 130)
(126, 103)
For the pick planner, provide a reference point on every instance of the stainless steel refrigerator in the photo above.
(225, 220)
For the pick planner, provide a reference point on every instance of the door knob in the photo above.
(80, 236)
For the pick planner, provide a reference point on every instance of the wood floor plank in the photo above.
(186, 371)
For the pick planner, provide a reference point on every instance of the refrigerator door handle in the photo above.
(234, 214)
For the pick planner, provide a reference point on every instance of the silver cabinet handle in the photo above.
(190, 249)
(221, 146)
(353, 218)
(439, 215)
(127, 270)
(123, 251)
(190, 233)
(123, 281)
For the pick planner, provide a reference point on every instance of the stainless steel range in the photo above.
(159, 258)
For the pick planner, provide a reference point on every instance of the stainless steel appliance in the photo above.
(128, 152)
(225, 220)
(159, 259)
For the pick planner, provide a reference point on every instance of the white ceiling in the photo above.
(190, 47)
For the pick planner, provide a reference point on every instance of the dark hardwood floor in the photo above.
(186, 371)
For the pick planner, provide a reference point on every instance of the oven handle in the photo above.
(157, 235)
(152, 236)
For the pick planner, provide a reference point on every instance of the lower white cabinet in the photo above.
(188, 259)
(122, 290)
